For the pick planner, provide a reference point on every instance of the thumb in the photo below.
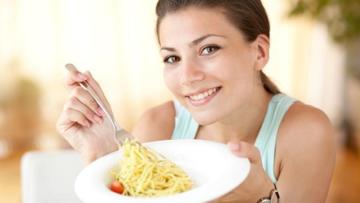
(246, 150)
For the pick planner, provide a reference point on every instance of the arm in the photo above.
(306, 148)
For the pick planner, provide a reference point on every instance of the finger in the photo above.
(85, 98)
(74, 76)
(95, 85)
(247, 150)
(75, 104)
(76, 116)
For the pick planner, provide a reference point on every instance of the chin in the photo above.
(204, 118)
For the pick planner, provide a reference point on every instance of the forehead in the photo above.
(188, 24)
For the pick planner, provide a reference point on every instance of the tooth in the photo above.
(204, 95)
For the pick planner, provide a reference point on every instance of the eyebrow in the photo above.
(193, 43)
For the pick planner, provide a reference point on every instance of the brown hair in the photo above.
(249, 16)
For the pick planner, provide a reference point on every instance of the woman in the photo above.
(214, 53)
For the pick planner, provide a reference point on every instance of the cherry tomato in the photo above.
(117, 187)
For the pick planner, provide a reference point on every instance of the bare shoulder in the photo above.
(156, 123)
(306, 125)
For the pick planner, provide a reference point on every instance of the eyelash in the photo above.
(177, 59)
(216, 47)
(166, 60)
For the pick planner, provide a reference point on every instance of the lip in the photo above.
(205, 100)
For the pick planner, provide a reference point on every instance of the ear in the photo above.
(262, 46)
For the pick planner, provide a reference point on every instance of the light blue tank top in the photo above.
(186, 128)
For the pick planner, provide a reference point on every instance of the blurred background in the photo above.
(315, 46)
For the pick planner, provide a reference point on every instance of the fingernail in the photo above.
(234, 146)
(97, 119)
(100, 111)
(87, 73)
(81, 76)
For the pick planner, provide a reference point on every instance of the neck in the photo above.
(242, 125)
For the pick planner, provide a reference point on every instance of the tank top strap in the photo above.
(266, 139)
(185, 126)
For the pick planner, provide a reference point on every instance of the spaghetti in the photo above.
(143, 173)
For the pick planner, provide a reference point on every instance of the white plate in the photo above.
(214, 170)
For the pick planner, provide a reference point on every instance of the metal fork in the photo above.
(120, 134)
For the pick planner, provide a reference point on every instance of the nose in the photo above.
(191, 72)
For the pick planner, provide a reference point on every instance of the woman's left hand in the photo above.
(257, 184)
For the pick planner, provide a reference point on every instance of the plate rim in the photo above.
(245, 165)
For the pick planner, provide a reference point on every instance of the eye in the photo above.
(171, 59)
(209, 50)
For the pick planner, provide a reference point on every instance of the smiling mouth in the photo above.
(203, 97)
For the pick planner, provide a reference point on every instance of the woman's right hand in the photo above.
(82, 122)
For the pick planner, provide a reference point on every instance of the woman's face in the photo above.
(209, 66)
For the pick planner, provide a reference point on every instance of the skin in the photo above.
(214, 53)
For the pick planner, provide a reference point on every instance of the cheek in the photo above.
(241, 68)
(238, 77)
(171, 80)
